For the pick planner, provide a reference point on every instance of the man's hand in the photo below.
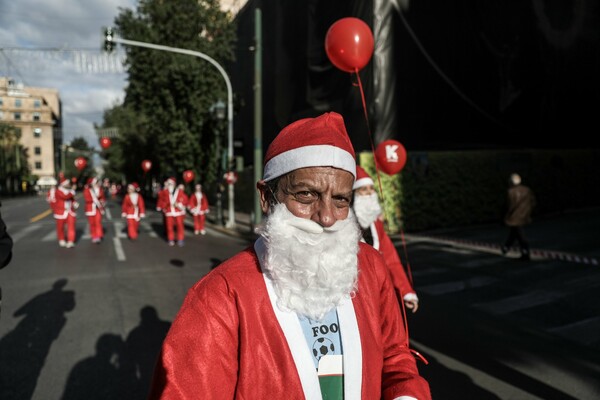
(411, 304)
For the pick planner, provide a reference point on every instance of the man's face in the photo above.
(321, 194)
(365, 190)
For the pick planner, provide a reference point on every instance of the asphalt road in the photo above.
(86, 322)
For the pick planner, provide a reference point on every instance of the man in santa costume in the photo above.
(308, 312)
(64, 213)
(94, 208)
(198, 206)
(172, 202)
(368, 213)
(133, 209)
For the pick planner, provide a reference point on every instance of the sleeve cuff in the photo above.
(411, 297)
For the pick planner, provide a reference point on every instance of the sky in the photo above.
(57, 44)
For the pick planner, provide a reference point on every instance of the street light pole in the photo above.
(231, 210)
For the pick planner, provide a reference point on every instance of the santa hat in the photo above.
(134, 186)
(92, 181)
(362, 178)
(170, 180)
(310, 142)
(63, 181)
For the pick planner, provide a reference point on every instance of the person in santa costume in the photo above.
(308, 311)
(51, 197)
(64, 213)
(368, 213)
(198, 206)
(94, 208)
(133, 209)
(172, 202)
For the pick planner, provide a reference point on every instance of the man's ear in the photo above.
(265, 195)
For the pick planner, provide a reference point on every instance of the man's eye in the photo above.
(305, 195)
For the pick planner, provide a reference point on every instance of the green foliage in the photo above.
(165, 116)
(78, 147)
(13, 156)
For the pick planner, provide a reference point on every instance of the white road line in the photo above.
(521, 302)
(108, 214)
(119, 230)
(584, 331)
(148, 229)
(50, 236)
(117, 241)
(23, 232)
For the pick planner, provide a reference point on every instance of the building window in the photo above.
(18, 103)
(37, 103)
(38, 165)
(17, 116)
(36, 116)
(37, 150)
(37, 132)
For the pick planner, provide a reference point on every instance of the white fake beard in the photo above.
(312, 268)
(367, 209)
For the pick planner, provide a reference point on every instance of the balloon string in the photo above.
(400, 300)
(364, 105)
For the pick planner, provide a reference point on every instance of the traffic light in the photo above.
(109, 45)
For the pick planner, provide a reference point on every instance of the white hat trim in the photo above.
(363, 182)
(309, 156)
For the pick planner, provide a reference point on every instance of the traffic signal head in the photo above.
(109, 45)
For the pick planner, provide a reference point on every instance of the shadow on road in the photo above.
(120, 369)
(23, 350)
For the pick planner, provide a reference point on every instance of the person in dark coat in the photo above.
(521, 201)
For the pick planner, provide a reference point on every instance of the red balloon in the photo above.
(105, 142)
(80, 163)
(349, 44)
(188, 176)
(146, 165)
(391, 156)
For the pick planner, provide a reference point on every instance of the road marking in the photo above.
(108, 214)
(458, 286)
(520, 302)
(41, 215)
(50, 236)
(23, 232)
(148, 229)
(117, 241)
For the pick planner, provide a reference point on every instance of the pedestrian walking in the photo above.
(198, 206)
(172, 203)
(521, 201)
(94, 208)
(133, 209)
(368, 212)
(65, 207)
(308, 311)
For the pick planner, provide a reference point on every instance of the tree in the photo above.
(169, 95)
(13, 159)
(79, 147)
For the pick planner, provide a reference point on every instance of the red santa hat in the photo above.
(170, 180)
(92, 181)
(362, 178)
(63, 181)
(310, 142)
(134, 186)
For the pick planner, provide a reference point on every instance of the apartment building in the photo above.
(36, 112)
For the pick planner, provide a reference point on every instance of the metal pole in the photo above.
(231, 211)
(258, 153)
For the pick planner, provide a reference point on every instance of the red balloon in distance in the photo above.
(349, 44)
(105, 142)
(391, 156)
(80, 163)
(146, 165)
(188, 176)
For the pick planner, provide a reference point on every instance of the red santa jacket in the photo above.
(230, 340)
(383, 243)
(133, 206)
(94, 200)
(198, 203)
(65, 203)
(172, 204)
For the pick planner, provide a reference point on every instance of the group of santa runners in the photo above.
(172, 201)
